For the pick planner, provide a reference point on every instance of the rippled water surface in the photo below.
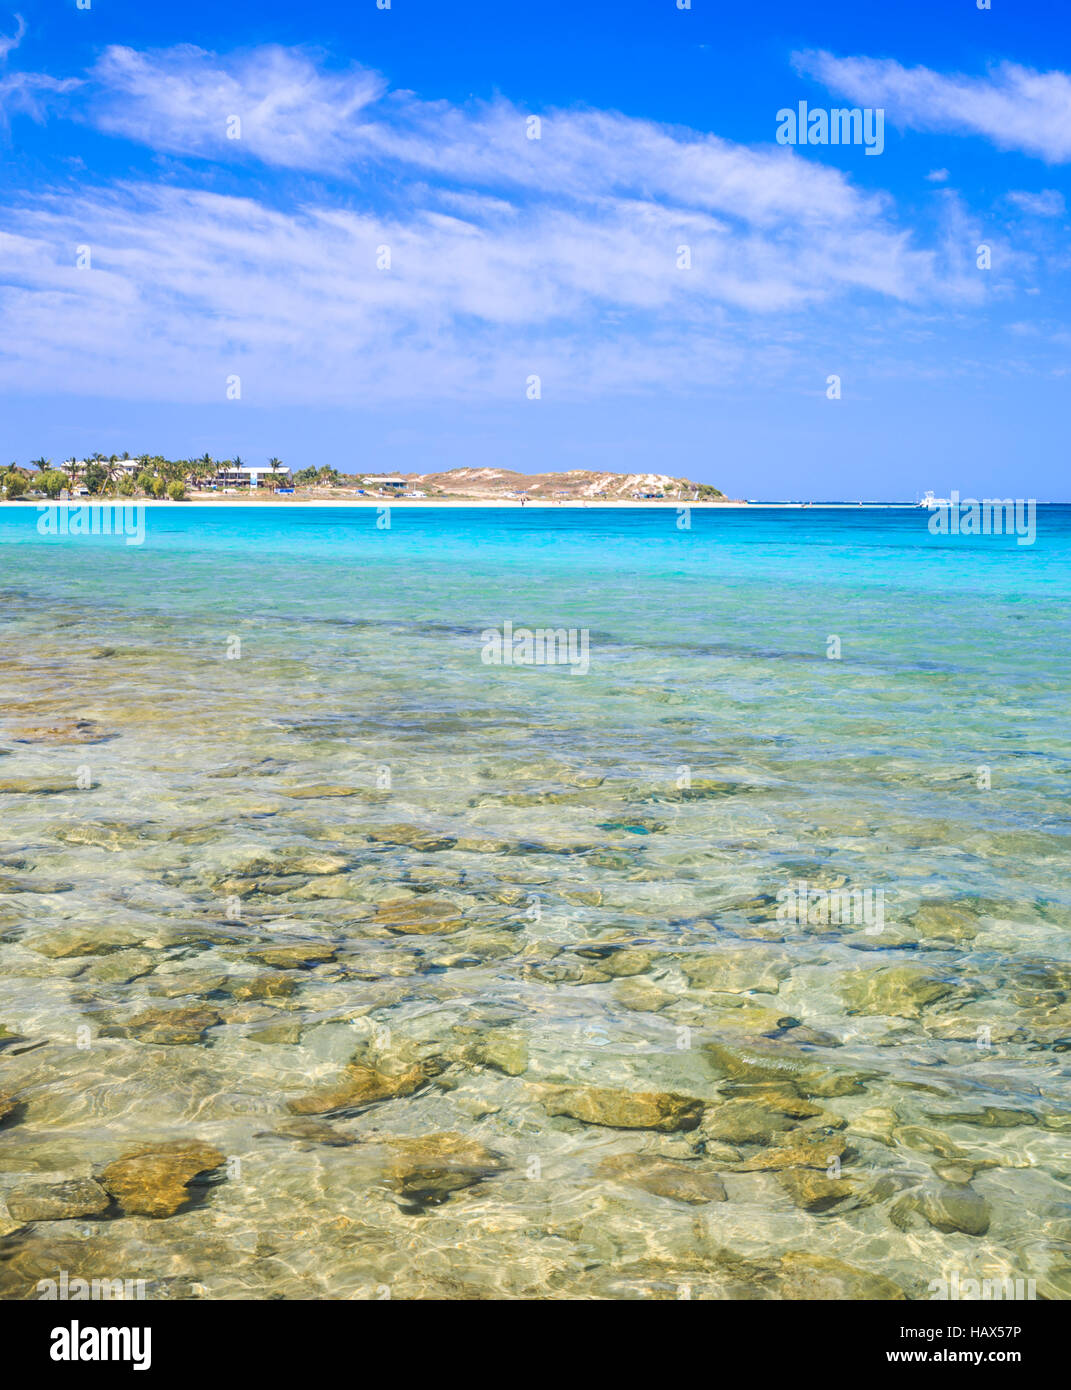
(336, 962)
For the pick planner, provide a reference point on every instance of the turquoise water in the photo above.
(521, 908)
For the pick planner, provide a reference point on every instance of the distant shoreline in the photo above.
(570, 503)
(460, 503)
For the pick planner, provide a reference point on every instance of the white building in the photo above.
(390, 483)
(250, 474)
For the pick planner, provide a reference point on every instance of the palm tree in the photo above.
(274, 481)
(115, 471)
(40, 464)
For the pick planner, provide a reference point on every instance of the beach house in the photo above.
(250, 474)
(392, 484)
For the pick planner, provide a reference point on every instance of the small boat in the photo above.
(931, 503)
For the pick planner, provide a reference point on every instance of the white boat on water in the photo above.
(931, 503)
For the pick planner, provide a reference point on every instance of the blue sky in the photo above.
(212, 257)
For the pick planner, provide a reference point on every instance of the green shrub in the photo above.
(176, 491)
(52, 482)
(126, 486)
(159, 487)
(15, 485)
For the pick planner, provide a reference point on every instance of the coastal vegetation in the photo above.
(153, 476)
(149, 475)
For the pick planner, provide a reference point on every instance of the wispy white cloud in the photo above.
(295, 113)
(188, 286)
(26, 93)
(1047, 203)
(10, 42)
(558, 256)
(291, 113)
(1015, 107)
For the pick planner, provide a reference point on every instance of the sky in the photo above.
(544, 237)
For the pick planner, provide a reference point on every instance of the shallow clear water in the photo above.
(514, 890)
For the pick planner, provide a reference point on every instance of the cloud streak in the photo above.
(560, 256)
(8, 44)
(1014, 107)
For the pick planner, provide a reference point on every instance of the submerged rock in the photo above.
(426, 1170)
(956, 1207)
(753, 1020)
(84, 939)
(64, 732)
(418, 916)
(750, 969)
(804, 1150)
(664, 1177)
(949, 921)
(820, 1277)
(414, 836)
(294, 861)
(310, 1131)
(363, 1085)
(617, 960)
(119, 967)
(8, 1038)
(10, 884)
(153, 1179)
(502, 1049)
(642, 996)
(989, 1117)
(814, 1191)
(965, 1170)
(279, 986)
(178, 986)
(320, 790)
(41, 786)
(898, 991)
(171, 1027)
(338, 887)
(286, 1032)
(929, 1141)
(294, 957)
(771, 1060)
(744, 1122)
(706, 789)
(594, 1105)
(59, 1201)
(110, 835)
(877, 1123)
